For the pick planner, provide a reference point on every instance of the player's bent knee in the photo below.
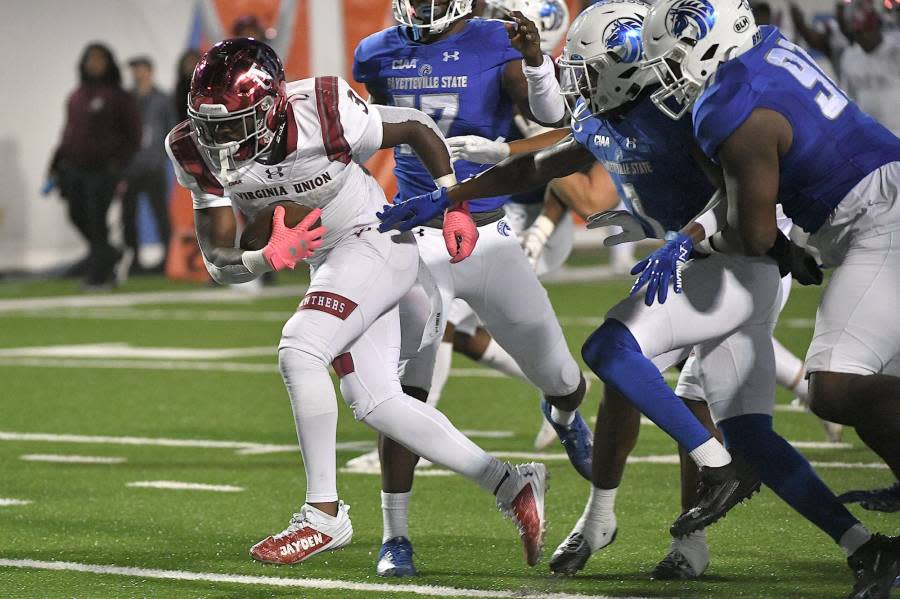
(829, 396)
(604, 349)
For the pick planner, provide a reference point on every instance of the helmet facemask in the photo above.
(685, 42)
(231, 140)
(425, 16)
(678, 90)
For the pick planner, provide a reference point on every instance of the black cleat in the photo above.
(877, 500)
(675, 567)
(573, 553)
(720, 489)
(876, 565)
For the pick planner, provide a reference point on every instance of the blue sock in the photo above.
(615, 356)
(784, 470)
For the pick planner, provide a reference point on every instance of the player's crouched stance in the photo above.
(253, 140)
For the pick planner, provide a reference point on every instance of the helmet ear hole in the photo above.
(710, 52)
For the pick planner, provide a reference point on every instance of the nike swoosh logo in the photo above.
(587, 43)
(656, 38)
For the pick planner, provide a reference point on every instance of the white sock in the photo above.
(855, 537)
(790, 372)
(428, 433)
(711, 453)
(395, 515)
(441, 372)
(598, 521)
(497, 358)
(695, 549)
(561, 416)
(314, 404)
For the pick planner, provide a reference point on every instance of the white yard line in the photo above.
(6, 502)
(242, 367)
(125, 351)
(183, 486)
(241, 446)
(294, 582)
(71, 459)
(117, 300)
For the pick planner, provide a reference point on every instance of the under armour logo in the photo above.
(420, 232)
(448, 56)
(278, 172)
(631, 143)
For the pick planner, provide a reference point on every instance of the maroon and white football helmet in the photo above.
(237, 102)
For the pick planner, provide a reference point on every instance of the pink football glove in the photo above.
(288, 246)
(460, 232)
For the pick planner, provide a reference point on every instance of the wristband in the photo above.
(256, 262)
(543, 224)
(446, 181)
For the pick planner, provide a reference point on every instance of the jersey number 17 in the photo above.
(442, 108)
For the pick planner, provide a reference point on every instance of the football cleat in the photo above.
(576, 438)
(675, 566)
(396, 558)
(310, 531)
(877, 500)
(876, 565)
(520, 496)
(573, 553)
(720, 489)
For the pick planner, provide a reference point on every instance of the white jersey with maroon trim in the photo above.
(315, 161)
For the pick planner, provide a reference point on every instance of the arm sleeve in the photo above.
(544, 94)
(361, 123)
(200, 198)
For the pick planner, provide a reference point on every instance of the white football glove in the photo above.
(534, 238)
(477, 149)
(631, 226)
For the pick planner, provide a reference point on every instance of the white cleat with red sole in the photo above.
(521, 498)
(310, 531)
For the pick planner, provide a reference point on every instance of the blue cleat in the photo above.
(395, 558)
(576, 438)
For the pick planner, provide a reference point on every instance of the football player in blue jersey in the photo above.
(782, 131)
(727, 319)
(468, 74)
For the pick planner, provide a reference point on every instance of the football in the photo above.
(256, 234)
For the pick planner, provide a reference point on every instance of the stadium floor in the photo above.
(138, 384)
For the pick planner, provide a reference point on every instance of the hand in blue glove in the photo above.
(657, 269)
(413, 212)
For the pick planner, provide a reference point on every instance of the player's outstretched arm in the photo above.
(523, 172)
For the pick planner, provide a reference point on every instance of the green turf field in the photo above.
(225, 420)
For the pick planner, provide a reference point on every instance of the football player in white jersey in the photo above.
(252, 140)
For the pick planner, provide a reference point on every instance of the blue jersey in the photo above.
(835, 144)
(648, 156)
(456, 80)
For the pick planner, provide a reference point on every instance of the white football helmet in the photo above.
(601, 60)
(433, 16)
(550, 16)
(685, 41)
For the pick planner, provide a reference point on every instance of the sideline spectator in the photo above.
(870, 68)
(101, 134)
(148, 171)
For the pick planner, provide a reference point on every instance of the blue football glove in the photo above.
(413, 212)
(657, 269)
